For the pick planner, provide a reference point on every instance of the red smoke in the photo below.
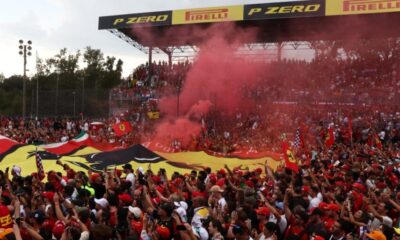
(199, 109)
(181, 129)
(217, 78)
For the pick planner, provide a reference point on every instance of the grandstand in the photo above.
(290, 25)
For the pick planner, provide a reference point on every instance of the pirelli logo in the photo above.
(370, 5)
(215, 14)
(208, 15)
(284, 10)
(347, 7)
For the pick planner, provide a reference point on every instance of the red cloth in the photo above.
(330, 138)
(290, 161)
(5, 217)
(122, 128)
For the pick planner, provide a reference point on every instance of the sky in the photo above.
(73, 24)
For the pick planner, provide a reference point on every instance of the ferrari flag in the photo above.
(122, 128)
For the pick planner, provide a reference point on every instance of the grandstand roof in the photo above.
(304, 20)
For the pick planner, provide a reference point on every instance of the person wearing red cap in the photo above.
(125, 199)
(263, 217)
(278, 215)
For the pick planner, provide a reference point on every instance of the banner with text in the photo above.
(208, 15)
(348, 7)
(139, 19)
(312, 8)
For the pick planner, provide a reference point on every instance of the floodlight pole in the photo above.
(25, 50)
(24, 87)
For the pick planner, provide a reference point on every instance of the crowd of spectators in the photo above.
(349, 190)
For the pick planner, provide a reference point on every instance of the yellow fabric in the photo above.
(180, 162)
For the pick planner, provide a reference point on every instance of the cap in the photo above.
(258, 170)
(279, 205)
(48, 195)
(213, 178)
(306, 189)
(94, 176)
(181, 204)
(140, 169)
(333, 207)
(127, 166)
(102, 202)
(216, 188)
(17, 170)
(184, 205)
(137, 213)
(222, 171)
(358, 186)
(125, 198)
(376, 235)
(263, 211)
(163, 232)
(58, 229)
(221, 182)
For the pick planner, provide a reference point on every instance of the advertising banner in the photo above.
(348, 7)
(208, 15)
(284, 10)
(140, 19)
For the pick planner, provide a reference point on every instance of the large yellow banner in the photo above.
(208, 15)
(348, 7)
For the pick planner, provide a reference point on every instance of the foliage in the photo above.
(99, 74)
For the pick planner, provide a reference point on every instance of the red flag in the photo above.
(377, 141)
(122, 128)
(330, 138)
(290, 161)
(39, 166)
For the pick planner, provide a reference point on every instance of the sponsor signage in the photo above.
(348, 7)
(140, 19)
(284, 10)
(208, 15)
